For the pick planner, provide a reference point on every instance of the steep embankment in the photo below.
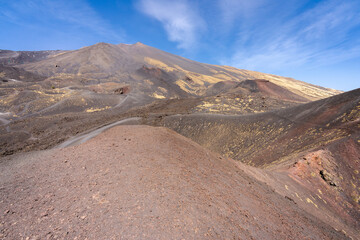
(311, 151)
(139, 182)
(324, 182)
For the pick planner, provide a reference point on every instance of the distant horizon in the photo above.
(315, 41)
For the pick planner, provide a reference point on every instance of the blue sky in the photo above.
(317, 41)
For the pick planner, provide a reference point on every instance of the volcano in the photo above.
(128, 141)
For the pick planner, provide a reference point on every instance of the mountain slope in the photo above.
(138, 182)
(118, 78)
(119, 62)
(310, 152)
(107, 77)
(10, 58)
(261, 139)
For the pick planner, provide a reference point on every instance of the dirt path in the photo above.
(3, 120)
(82, 138)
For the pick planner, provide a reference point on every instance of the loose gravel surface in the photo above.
(141, 182)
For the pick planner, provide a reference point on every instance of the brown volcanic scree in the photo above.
(139, 182)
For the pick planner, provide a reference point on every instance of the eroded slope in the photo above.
(139, 182)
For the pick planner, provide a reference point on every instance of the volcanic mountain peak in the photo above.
(139, 44)
(102, 44)
(105, 61)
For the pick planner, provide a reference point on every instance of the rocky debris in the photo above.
(122, 90)
(290, 199)
(189, 79)
(327, 178)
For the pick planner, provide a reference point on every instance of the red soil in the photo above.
(271, 89)
(140, 182)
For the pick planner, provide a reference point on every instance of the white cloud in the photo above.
(317, 37)
(234, 9)
(178, 17)
(76, 13)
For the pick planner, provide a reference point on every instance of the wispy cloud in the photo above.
(181, 22)
(78, 14)
(292, 37)
(234, 9)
